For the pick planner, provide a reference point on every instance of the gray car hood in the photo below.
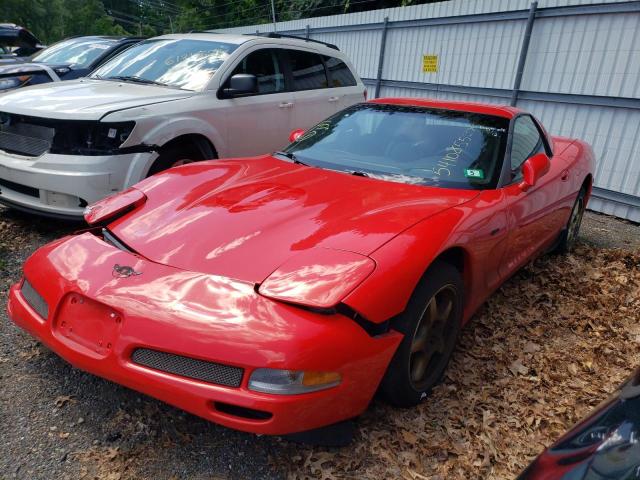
(85, 99)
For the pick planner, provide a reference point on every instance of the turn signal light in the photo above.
(291, 382)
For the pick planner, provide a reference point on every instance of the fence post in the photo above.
(523, 53)
(383, 44)
(307, 28)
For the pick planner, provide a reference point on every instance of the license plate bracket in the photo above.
(88, 324)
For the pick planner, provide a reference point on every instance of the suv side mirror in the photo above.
(533, 169)
(295, 135)
(242, 84)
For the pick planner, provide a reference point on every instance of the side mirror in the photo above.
(242, 84)
(295, 135)
(533, 169)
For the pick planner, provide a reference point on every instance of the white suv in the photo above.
(165, 101)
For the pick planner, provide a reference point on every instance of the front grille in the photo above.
(25, 138)
(34, 299)
(16, 187)
(209, 372)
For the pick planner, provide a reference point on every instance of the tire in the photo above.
(411, 375)
(570, 233)
(174, 156)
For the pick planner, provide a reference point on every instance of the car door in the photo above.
(314, 100)
(343, 83)
(258, 123)
(535, 216)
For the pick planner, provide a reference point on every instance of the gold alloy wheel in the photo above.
(574, 221)
(432, 338)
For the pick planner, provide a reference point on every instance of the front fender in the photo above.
(401, 263)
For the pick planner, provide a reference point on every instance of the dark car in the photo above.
(17, 42)
(606, 445)
(71, 58)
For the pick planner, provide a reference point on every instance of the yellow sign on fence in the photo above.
(430, 63)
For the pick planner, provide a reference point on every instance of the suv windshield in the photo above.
(75, 51)
(407, 144)
(186, 64)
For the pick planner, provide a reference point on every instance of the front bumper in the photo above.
(62, 185)
(198, 316)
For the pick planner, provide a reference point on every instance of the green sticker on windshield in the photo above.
(473, 173)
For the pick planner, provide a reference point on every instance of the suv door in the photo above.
(343, 83)
(535, 216)
(314, 100)
(258, 123)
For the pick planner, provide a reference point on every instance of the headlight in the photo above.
(317, 278)
(112, 135)
(113, 206)
(90, 138)
(291, 382)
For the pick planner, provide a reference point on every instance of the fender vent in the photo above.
(209, 372)
(34, 299)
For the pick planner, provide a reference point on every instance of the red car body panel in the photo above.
(262, 263)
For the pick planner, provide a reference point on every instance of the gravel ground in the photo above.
(59, 422)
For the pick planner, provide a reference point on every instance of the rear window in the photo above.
(339, 73)
(407, 144)
(307, 70)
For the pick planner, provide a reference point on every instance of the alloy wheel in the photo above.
(432, 338)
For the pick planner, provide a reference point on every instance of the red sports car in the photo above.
(277, 294)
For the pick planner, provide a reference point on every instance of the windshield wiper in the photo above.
(358, 173)
(133, 78)
(292, 157)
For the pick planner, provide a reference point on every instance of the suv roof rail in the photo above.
(280, 35)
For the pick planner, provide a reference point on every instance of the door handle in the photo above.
(565, 176)
(286, 105)
(334, 99)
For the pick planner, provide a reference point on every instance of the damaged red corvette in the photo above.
(278, 294)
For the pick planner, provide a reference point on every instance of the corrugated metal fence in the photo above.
(580, 73)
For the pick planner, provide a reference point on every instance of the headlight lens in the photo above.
(291, 382)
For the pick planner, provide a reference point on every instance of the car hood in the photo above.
(85, 99)
(244, 218)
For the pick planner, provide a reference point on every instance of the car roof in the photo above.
(483, 108)
(239, 39)
(219, 37)
(118, 38)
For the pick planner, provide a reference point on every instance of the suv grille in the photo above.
(209, 372)
(18, 135)
(34, 299)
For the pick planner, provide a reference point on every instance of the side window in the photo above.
(339, 73)
(307, 70)
(526, 142)
(264, 65)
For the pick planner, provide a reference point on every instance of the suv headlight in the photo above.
(90, 138)
(291, 382)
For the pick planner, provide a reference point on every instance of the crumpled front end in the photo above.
(193, 340)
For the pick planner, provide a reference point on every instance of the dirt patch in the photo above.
(543, 351)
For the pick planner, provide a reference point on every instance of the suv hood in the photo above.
(244, 218)
(85, 99)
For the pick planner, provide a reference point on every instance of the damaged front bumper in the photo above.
(63, 185)
(150, 327)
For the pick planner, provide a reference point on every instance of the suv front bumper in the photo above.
(62, 185)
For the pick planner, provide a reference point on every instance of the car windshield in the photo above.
(416, 145)
(186, 64)
(81, 52)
